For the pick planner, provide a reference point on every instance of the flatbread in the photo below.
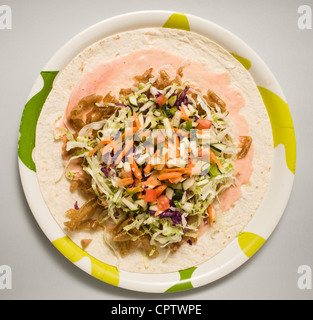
(49, 164)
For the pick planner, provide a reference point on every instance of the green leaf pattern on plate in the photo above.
(184, 282)
(29, 120)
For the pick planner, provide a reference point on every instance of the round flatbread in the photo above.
(209, 65)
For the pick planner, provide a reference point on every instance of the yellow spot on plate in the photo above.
(177, 21)
(99, 270)
(244, 61)
(282, 125)
(250, 243)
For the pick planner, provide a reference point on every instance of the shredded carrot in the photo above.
(204, 152)
(180, 132)
(184, 114)
(127, 147)
(137, 121)
(124, 182)
(135, 189)
(169, 175)
(188, 170)
(210, 212)
(110, 146)
(99, 145)
(157, 213)
(190, 164)
(152, 181)
(109, 161)
(166, 151)
(176, 180)
(177, 145)
(113, 144)
(117, 145)
(126, 174)
(148, 167)
(214, 159)
(129, 132)
(160, 189)
(177, 170)
(135, 169)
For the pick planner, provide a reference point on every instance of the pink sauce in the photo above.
(244, 170)
(115, 74)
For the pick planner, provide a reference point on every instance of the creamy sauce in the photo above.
(244, 170)
(203, 228)
(115, 74)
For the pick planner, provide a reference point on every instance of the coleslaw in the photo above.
(159, 162)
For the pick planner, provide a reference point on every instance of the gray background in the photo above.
(40, 28)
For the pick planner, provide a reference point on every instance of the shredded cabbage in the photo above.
(190, 197)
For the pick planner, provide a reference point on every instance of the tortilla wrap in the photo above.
(191, 46)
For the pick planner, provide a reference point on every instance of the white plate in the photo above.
(257, 231)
